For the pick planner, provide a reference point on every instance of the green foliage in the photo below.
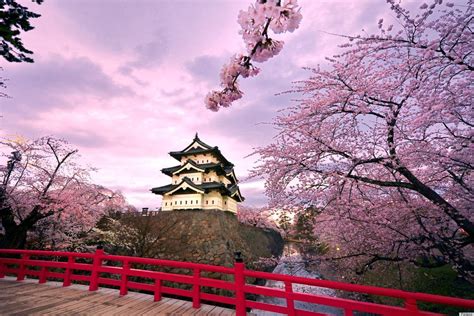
(304, 225)
(284, 222)
(439, 281)
(304, 233)
(105, 223)
(15, 18)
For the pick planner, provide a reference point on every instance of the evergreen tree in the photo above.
(15, 18)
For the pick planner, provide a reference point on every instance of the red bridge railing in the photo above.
(45, 265)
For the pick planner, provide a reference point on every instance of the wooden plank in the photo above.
(112, 304)
(38, 307)
(128, 308)
(221, 311)
(204, 310)
(163, 307)
(29, 297)
(40, 298)
(43, 297)
(66, 308)
(15, 303)
(183, 308)
(21, 288)
(70, 303)
(6, 284)
(140, 309)
(36, 291)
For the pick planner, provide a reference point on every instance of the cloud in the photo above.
(57, 82)
(206, 68)
(150, 54)
(85, 138)
(250, 119)
(120, 26)
(110, 24)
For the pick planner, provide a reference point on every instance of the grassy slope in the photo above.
(439, 281)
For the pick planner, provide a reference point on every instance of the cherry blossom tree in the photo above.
(257, 216)
(278, 16)
(136, 235)
(46, 192)
(382, 143)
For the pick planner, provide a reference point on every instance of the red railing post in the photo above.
(290, 303)
(68, 272)
(42, 278)
(157, 296)
(94, 282)
(3, 268)
(196, 288)
(411, 306)
(124, 278)
(22, 270)
(239, 280)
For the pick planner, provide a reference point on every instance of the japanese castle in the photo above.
(204, 179)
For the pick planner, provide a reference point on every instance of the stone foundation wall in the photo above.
(212, 237)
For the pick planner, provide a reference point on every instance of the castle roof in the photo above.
(196, 147)
(188, 186)
(191, 166)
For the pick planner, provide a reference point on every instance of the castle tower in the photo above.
(205, 179)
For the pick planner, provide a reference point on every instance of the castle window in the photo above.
(166, 203)
(180, 202)
(191, 201)
(186, 202)
(207, 202)
(225, 203)
(196, 201)
(175, 202)
(212, 201)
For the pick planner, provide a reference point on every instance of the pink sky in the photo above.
(124, 81)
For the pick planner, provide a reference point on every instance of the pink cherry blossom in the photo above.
(279, 17)
(382, 143)
(46, 194)
(266, 50)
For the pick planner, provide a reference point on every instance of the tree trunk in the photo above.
(15, 237)
(15, 234)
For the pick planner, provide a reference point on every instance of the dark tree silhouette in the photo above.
(15, 19)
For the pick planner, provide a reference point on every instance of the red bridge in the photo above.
(132, 273)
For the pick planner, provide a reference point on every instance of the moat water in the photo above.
(292, 263)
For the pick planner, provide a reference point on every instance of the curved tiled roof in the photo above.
(233, 190)
(220, 169)
(204, 149)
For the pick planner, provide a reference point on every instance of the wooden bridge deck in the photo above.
(30, 298)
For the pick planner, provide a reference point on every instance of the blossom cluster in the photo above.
(276, 15)
(239, 66)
